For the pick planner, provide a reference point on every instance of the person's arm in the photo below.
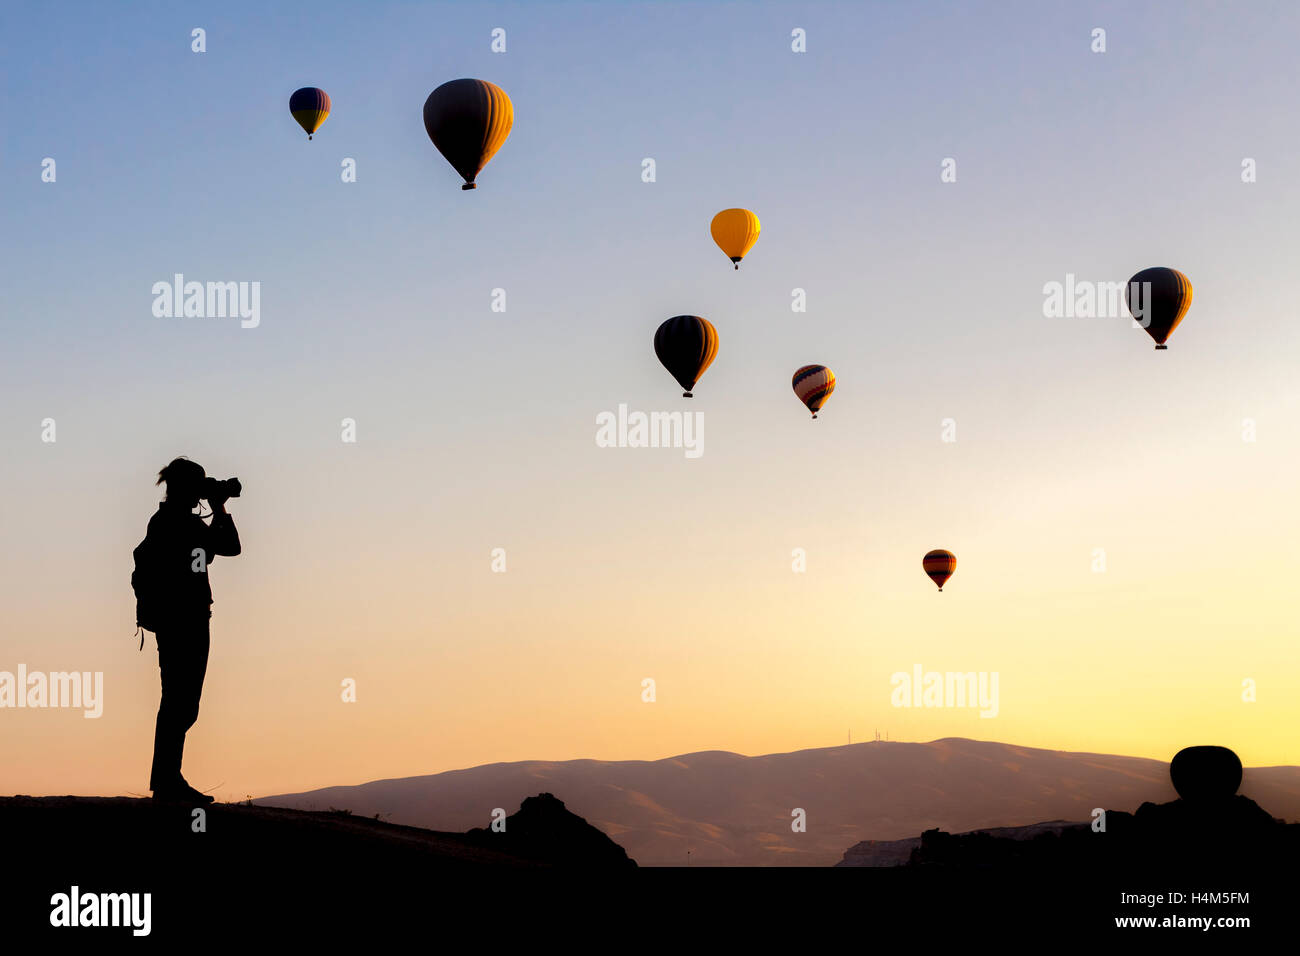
(223, 537)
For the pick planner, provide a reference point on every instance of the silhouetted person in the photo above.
(181, 546)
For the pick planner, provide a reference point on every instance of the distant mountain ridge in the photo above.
(729, 809)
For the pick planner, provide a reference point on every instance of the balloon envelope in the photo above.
(1163, 298)
(468, 120)
(940, 565)
(735, 231)
(686, 345)
(310, 107)
(813, 384)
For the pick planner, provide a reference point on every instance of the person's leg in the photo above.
(196, 668)
(167, 741)
(183, 662)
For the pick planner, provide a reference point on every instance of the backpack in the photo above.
(145, 584)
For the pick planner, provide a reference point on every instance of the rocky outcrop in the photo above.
(544, 831)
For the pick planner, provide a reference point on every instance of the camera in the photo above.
(219, 490)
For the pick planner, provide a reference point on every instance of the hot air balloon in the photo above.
(468, 120)
(735, 231)
(1163, 303)
(310, 107)
(939, 565)
(813, 384)
(686, 345)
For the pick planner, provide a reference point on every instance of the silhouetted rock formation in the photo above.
(543, 830)
(887, 853)
(130, 838)
(1236, 835)
(232, 861)
(1205, 773)
(1209, 830)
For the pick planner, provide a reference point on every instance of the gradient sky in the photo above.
(476, 428)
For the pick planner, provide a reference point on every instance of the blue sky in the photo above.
(477, 427)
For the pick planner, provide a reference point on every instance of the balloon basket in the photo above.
(469, 186)
(1160, 348)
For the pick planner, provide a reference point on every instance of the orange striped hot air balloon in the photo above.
(1163, 297)
(310, 107)
(813, 384)
(468, 120)
(939, 565)
(686, 345)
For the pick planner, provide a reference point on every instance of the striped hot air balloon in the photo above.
(1164, 296)
(939, 565)
(686, 345)
(468, 120)
(813, 384)
(310, 107)
(735, 231)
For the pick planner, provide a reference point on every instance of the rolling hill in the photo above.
(733, 810)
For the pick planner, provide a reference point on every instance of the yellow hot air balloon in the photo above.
(735, 231)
